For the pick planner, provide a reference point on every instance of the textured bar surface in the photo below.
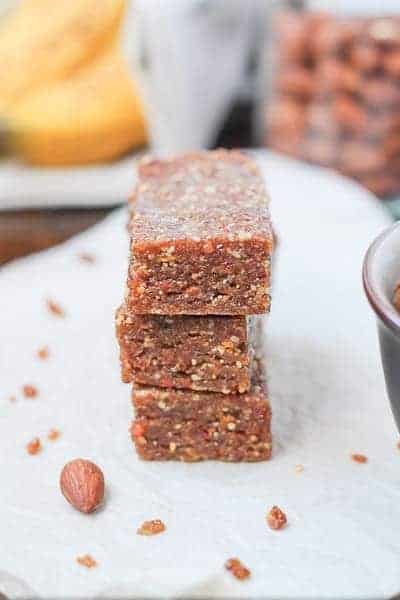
(201, 237)
(191, 426)
(207, 353)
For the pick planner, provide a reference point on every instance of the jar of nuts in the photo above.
(333, 89)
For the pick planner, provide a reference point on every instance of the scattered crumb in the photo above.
(12, 398)
(55, 308)
(87, 257)
(43, 353)
(30, 391)
(34, 446)
(237, 569)
(151, 527)
(359, 458)
(53, 435)
(299, 468)
(276, 518)
(86, 561)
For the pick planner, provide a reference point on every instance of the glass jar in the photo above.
(333, 89)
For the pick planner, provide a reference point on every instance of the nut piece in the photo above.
(54, 308)
(86, 561)
(53, 435)
(237, 569)
(365, 57)
(151, 527)
(391, 63)
(34, 446)
(349, 114)
(43, 353)
(291, 31)
(276, 518)
(82, 484)
(29, 391)
(335, 76)
(359, 458)
(297, 81)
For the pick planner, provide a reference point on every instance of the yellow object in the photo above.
(93, 116)
(45, 40)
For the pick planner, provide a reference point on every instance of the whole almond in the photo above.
(82, 484)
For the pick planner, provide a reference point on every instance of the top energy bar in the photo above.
(201, 237)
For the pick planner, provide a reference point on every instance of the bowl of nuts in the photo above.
(332, 92)
(381, 279)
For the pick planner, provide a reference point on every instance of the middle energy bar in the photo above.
(207, 353)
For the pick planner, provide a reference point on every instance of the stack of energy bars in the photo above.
(190, 330)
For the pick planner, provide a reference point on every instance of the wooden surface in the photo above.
(24, 232)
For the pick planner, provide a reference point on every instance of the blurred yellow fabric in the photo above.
(95, 115)
(66, 95)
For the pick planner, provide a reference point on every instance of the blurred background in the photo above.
(87, 86)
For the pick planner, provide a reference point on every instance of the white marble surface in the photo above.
(328, 401)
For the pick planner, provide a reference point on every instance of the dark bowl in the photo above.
(381, 272)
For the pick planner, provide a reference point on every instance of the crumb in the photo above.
(43, 353)
(12, 398)
(53, 435)
(34, 446)
(55, 308)
(86, 561)
(276, 518)
(237, 569)
(151, 527)
(30, 391)
(87, 257)
(359, 458)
